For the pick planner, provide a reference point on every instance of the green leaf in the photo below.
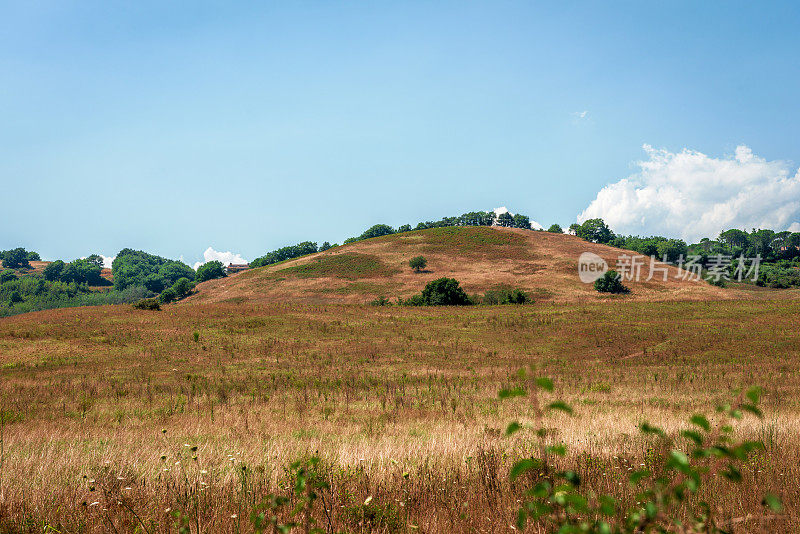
(752, 409)
(511, 393)
(647, 428)
(732, 474)
(521, 467)
(560, 405)
(694, 436)
(701, 421)
(639, 475)
(560, 450)
(512, 428)
(545, 383)
(522, 518)
(754, 394)
(678, 458)
(772, 502)
(607, 505)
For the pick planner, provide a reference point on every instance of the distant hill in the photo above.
(481, 258)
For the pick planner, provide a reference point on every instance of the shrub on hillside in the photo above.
(418, 263)
(444, 292)
(210, 271)
(610, 283)
(167, 296)
(147, 304)
(505, 295)
(7, 276)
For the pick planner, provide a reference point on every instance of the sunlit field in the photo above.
(118, 420)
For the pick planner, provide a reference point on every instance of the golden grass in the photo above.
(379, 393)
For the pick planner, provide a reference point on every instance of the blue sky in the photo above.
(173, 127)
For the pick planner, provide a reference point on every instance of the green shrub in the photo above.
(167, 296)
(147, 304)
(444, 292)
(210, 271)
(505, 296)
(610, 283)
(418, 263)
(381, 301)
(8, 276)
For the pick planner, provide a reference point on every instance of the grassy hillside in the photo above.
(481, 258)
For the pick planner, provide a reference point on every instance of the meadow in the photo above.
(122, 420)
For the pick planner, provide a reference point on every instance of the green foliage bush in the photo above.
(610, 283)
(132, 268)
(556, 229)
(147, 304)
(505, 295)
(167, 296)
(7, 276)
(16, 258)
(53, 270)
(444, 292)
(210, 271)
(418, 263)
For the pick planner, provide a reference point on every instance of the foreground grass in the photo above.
(114, 419)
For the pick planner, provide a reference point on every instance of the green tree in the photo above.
(182, 287)
(506, 220)
(761, 240)
(418, 263)
(167, 296)
(556, 229)
(444, 292)
(734, 238)
(594, 230)
(377, 231)
(34, 256)
(522, 221)
(53, 270)
(8, 276)
(210, 271)
(672, 249)
(610, 283)
(404, 228)
(155, 283)
(16, 258)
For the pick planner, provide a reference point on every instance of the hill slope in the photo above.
(481, 258)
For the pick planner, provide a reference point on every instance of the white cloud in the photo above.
(225, 257)
(794, 227)
(580, 114)
(534, 225)
(691, 195)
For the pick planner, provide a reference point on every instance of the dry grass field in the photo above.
(116, 420)
(481, 258)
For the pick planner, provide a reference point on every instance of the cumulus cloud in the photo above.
(225, 257)
(691, 195)
(534, 225)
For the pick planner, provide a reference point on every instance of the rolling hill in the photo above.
(481, 258)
